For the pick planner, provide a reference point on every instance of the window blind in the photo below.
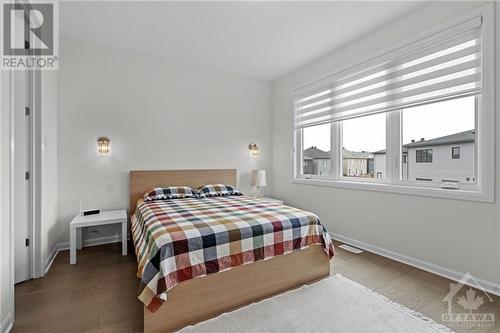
(442, 66)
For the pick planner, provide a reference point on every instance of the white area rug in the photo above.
(336, 304)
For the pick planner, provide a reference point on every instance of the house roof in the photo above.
(315, 153)
(462, 137)
(356, 154)
(405, 151)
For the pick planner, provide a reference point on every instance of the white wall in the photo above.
(455, 236)
(158, 115)
(48, 104)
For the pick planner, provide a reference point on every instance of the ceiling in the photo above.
(261, 40)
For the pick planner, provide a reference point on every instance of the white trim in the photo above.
(6, 325)
(11, 201)
(88, 242)
(37, 264)
(52, 256)
(490, 287)
(435, 192)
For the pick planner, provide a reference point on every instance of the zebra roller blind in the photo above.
(442, 66)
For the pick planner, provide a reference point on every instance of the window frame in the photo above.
(483, 187)
(425, 156)
(453, 155)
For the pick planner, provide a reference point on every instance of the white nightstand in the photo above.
(270, 200)
(105, 217)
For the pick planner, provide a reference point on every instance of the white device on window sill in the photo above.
(450, 185)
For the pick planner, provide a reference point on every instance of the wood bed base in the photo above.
(200, 299)
(196, 300)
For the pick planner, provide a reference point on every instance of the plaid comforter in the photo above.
(181, 239)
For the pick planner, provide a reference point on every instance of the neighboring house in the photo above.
(380, 164)
(308, 166)
(317, 162)
(354, 164)
(447, 158)
(357, 164)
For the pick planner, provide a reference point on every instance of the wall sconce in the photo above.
(103, 145)
(253, 149)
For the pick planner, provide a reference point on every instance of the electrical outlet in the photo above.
(110, 187)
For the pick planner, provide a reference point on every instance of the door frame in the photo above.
(7, 169)
(37, 266)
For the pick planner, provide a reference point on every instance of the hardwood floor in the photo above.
(99, 293)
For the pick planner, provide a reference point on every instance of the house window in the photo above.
(423, 179)
(423, 155)
(387, 120)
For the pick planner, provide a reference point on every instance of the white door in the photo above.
(21, 181)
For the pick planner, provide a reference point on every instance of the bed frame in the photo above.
(202, 298)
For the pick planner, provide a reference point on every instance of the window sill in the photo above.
(460, 194)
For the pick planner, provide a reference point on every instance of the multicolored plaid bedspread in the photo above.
(181, 239)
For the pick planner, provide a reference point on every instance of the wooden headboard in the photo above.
(142, 181)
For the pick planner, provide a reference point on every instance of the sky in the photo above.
(426, 121)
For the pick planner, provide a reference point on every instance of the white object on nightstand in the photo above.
(258, 180)
(105, 217)
(270, 200)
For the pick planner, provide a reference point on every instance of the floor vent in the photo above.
(350, 248)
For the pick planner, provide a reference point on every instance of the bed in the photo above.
(198, 258)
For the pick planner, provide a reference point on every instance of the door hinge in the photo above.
(26, 111)
(27, 175)
(27, 242)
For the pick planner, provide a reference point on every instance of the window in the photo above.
(429, 136)
(361, 137)
(423, 155)
(393, 120)
(316, 152)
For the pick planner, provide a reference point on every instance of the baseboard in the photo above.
(87, 242)
(50, 259)
(490, 287)
(6, 324)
